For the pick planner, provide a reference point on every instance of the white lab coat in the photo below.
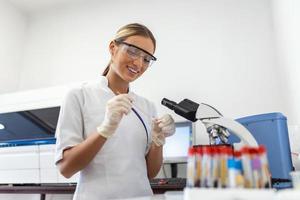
(119, 169)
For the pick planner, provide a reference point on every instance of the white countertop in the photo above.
(228, 194)
(169, 195)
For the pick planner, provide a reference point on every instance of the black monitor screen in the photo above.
(28, 125)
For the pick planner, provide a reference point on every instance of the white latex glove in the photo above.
(161, 128)
(116, 107)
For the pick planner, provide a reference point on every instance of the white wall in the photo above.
(287, 26)
(219, 52)
(12, 33)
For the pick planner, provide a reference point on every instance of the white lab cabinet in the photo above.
(48, 170)
(33, 164)
(19, 164)
(30, 164)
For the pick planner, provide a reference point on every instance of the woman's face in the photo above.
(129, 62)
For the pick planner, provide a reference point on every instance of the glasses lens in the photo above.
(135, 53)
(148, 60)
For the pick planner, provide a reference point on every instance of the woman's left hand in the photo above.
(162, 127)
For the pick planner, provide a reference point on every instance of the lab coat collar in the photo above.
(104, 84)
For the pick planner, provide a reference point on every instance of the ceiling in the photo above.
(37, 5)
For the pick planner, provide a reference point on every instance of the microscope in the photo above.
(217, 126)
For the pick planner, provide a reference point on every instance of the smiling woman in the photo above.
(137, 45)
(135, 52)
(96, 122)
(130, 58)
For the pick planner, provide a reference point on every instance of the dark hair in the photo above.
(131, 30)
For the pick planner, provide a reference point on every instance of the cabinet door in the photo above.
(19, 165)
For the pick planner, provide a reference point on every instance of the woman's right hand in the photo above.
(116, 107)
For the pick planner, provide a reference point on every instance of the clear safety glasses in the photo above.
(135, 52)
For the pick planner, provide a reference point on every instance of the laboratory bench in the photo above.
(38, 189)
(159, 186)
(169, 193)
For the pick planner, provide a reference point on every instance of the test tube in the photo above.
(225, 153)
(256, 168)
(231, 173)
(246, 162)
(239, 170)
(215, 166)
(191, 167)
(206, 167)
(266, 174)
(199, 155)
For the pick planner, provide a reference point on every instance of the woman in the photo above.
(107, 132)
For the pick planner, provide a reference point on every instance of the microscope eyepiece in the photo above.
(168, 103)
(185, 108)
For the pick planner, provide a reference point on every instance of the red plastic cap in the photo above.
(191, 151)
(261, 149)
(229, 151)
(199, 150)
(217, 150)
(207, 150)
(253, 151)
(237, 154)
(226, 150)
(245, 150)
(213, 150)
